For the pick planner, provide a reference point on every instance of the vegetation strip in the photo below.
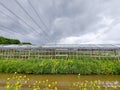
(82, 67)
(5, 41)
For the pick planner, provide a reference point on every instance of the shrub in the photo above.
(84, 67)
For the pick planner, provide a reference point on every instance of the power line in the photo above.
(5, 33)
(23, 35)
(8, 33)
(9, 16)
(37, 14)
(1, 26)
(17, 16)
(31, 18)
(6, 28)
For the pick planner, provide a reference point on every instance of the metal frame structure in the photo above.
(61, 51)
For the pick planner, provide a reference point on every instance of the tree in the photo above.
(4, 40)
(26, 43)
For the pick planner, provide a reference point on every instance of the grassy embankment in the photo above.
(83, 67)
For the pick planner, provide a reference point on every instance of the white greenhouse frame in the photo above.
(61, 51)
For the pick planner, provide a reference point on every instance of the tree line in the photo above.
(4, 40)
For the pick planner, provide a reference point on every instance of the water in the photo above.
(64, 82)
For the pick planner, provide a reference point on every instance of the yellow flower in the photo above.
(36, 81)
(43, 81)
(24, 76)
(98, 86)
(7, 86)
(49, 85)
(28, 79)
(8, 78)
(29, 86)
(47, 80)
(26, 82)
(20, 76)
(55, 88)
(55, 82)
(15, 72)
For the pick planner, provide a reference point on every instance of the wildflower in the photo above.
(36, 81)
(39, 82)
(25, 82)
(43, 81)
(47, 80)
(28, 79)
(29, 86)
(24, 76)
(8, 79)
(8, 85)
(15, 73)
(114, 87)
(98, 86)
(73, 84)
(20, 76)
(55, 82)
(56, 88)
(16, 77)
(49, 85)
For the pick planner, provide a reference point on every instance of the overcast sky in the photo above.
(61, 21)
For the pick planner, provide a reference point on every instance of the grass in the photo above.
(53, 66)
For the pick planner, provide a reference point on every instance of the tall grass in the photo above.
(83, 67)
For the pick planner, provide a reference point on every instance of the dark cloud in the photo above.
(61, 21)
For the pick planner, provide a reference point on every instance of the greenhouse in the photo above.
(61, 51)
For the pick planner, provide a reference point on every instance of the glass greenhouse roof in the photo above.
(85, 46)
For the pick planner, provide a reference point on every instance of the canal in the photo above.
(63, 82)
